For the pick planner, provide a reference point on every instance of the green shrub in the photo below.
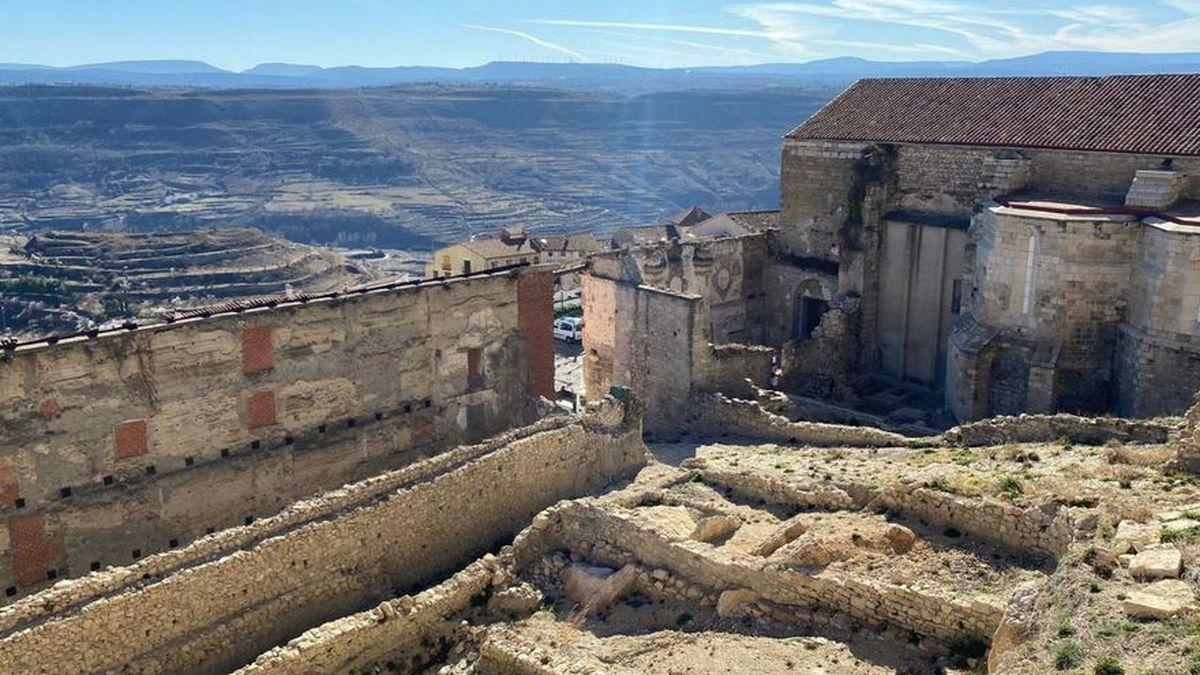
(1010, 486)
(1109, 666)
(1068, 655)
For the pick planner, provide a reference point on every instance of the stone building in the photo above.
(509, 247)
(1027, 244)
(115, 445)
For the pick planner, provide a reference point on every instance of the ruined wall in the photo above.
(727, 273)
(615, 539)
(1187, 440)
(644, 339)
(1158, 364)
(719, 415)
(123, 444)
(735, 368)
(215, 613)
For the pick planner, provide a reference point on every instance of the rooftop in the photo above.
(1150, 114)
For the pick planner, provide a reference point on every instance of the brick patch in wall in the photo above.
(535, 320)
(258, 350)
(49, 409)
(10, 490)
(129, 439)
(260, 409)
(33, 551)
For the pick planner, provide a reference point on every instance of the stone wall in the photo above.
(409, 625)
(616, 539)
(644, 339)
(220, 609)
(1158, 362)
(1187, 440)
(736, 369)
(128, 443)
(1053, 282)
(719, 415)
(1051, 428)
(660, 320)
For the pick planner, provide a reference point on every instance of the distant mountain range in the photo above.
(589, 76)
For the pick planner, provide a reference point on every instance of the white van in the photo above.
(569, 329)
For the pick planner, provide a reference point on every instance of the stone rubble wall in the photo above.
(399, 626)
(222, 613)
(1187, 439)
(1050, 428)
(1045, 531)
(614, 538)
(719, 415)
(1030, 530)
(736, 369)
(92, 427)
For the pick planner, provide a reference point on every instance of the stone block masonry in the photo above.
(212, 608)
(84, 419)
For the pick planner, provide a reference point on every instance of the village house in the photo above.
(510, 247)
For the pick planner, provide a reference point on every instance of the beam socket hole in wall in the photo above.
(426, 403)
(95, 566)
(188, 461)
(174, 543)
(407, 408)
(255, 445)
(19, 502)
(321, 429)
(249, 520)
(378, 416)
(51, 574)
(151, 470)
(10, 591)
(109, 480)
(64, 492)
(209, 530)
(350, 423)
(288, 440)
(224, 452)
(137, 553)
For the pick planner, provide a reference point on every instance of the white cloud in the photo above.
(531, 38)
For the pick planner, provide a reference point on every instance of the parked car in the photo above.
(569, 329)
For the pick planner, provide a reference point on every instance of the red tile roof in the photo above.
(1150, 114)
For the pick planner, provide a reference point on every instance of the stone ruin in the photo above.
(372, 482)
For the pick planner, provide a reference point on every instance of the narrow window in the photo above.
(956, 297)
(1027, 301)
(466, 267)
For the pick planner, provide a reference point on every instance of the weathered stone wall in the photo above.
(615, 539)
(1050, 428)
(734, 368)
(409, 625)
(1158, 366)
(836, 194)
(727, 273)
(1187, 440)
(645, 339)
(222, 609)
(1054, 282)
(719, 415)
(124, 444)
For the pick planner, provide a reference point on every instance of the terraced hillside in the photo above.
(62, 280)
(390, 167)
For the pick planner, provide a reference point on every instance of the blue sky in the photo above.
(237, 34)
